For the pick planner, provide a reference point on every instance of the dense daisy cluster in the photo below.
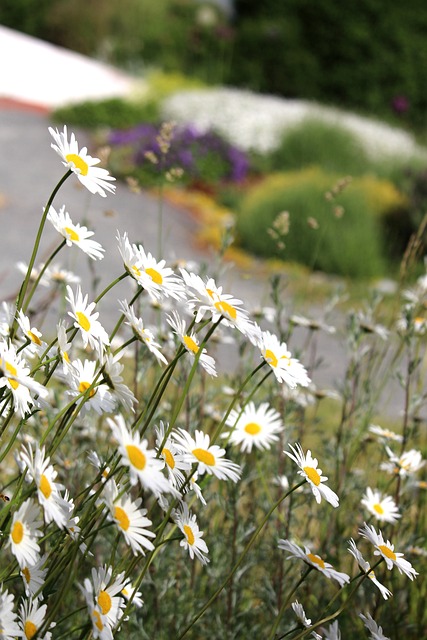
(120, 458)
(256, 122)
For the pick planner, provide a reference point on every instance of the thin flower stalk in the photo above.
(245, 551)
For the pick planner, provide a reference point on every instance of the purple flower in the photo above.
(400, 104)
(204, 155)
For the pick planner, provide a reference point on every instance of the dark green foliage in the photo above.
(361, 55)
(113, 113)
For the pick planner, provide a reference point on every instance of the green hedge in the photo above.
(358, 54)
(354, 244)
(114, 113)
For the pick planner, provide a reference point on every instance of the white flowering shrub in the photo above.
(143, 494)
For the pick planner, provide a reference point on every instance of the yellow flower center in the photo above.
(98, 622)
(312, 475)
(34, 338)
(190, 344)
(378, 508)
(271, 358)
(168, 455)
(121, 516)
(125, 592)
(13, 371)
(78, 162)
(204, 456)
(387, 552)
(189, 534)
(73, 236)
(252, 428)
(316, 559)
(105, 602)
(136, 457)
(154, 275)
(30, 629)
(17, 532)
(226, 309)
(45, 486)
(136, 271)
(84, 386)
(66, 357)
(83, 320)
(27, 575)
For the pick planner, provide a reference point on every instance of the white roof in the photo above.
(40, 73)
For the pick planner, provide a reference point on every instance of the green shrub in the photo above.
(314, 142)
(353, 244)
(114, 113)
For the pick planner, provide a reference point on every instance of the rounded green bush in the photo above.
(346, 241)
(316, 142)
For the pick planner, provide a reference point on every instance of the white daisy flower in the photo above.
(407, 464)
(100, 627)
(34, 576)
(35, 273)
(24, 531)
(191, 343)
(112, 369)
(158, 280)
(15, 376)
(129, 592)
(143, 464)
(385, 549)
(254, 426)
(8, 626)
(64, 346)
(366, 567)
(313, 325)
(174, 459)
(143, 334)
(333, 633)
(130, 255)
(298, 609)
(193, 540)
(382, 507)
(310, 471)
(32, 615)
(75, 233)
(385, 434)
(96, 180)
(209, 458)
(105, 590)
(7, 316)
(208, 298)
(375, 630)
(43, 474)
(132, 523)
(31, 333)
(279, 358)
(60, 276)
(90, 328)
(81, 376)
(314, 561)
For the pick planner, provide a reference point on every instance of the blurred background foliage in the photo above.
(370, 56)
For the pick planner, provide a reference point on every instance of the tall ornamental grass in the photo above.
(146, 495)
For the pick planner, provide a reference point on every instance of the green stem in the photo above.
(24, 287)
(286, 602)
(41, 274)
(240, 560)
